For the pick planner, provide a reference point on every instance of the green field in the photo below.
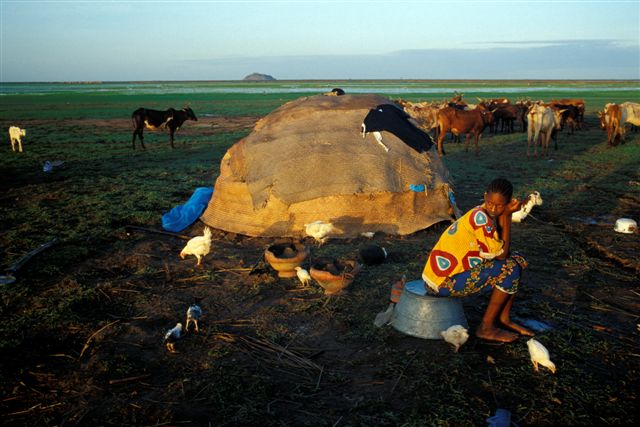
(272, 352)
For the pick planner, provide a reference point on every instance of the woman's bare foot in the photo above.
(519, 329)
(495, 334)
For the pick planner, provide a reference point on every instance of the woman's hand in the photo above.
(513, 206)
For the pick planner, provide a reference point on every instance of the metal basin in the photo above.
(425, 316)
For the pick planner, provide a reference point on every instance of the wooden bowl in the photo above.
(334, 275)
(285, 257)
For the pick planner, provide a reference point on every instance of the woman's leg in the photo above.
(506, 321)
(488, 329)
(504, 278)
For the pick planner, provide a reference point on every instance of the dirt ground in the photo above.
(271, 351)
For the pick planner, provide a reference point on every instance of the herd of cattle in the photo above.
(540, 120)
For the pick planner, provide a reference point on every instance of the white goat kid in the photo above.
(534, 199)
(15, 133)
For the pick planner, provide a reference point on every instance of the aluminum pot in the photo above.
(425, 316)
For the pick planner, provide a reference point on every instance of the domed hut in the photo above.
(310, 160)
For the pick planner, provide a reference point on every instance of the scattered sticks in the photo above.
(86, 344)
(129, 379)
(273, 353)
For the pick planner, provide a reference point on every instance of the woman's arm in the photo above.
(504, 228)
(504, 224)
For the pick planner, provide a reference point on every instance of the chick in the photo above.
(456, 335)
(319, 230)
(199, 246)
(303, 275)
(540, 355)
(194, 313)
(172, 336)
(368, 234)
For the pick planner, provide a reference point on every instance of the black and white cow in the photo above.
(153, 119)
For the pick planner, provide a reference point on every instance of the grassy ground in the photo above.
(81, 331)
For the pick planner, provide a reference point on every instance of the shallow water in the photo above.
(383, 87)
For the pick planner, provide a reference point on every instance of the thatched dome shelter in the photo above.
(308, 161)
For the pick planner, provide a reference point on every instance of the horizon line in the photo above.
(317, 80)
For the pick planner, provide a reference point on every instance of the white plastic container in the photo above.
(625, 225)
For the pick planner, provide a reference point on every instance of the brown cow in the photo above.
(613, 115)
(507, 114)
(578, 103)
(570, 116)
(462, 122)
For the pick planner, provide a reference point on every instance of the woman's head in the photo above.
(497, 196)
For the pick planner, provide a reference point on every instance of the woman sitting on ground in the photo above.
(474, 254)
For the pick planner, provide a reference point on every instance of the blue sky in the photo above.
(226, 40)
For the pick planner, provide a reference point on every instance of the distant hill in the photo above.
(257, 77)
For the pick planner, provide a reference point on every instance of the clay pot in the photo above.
(285, 257)
(334, 276)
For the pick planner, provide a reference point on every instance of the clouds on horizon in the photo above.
(559, 59)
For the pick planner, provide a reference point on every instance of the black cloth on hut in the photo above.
(392, 119)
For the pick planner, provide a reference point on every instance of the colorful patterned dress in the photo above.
(456, 266)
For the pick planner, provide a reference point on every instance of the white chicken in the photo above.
(534, 199)
(456, 335)
(172, 336)
(199, 246)
(319, 230)
(194, 313)
(303, 275)
(540, 355)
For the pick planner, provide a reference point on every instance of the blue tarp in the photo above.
(417, 188)
(182, 216)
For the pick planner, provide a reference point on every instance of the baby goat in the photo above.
(15, 133)
(534, 199)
